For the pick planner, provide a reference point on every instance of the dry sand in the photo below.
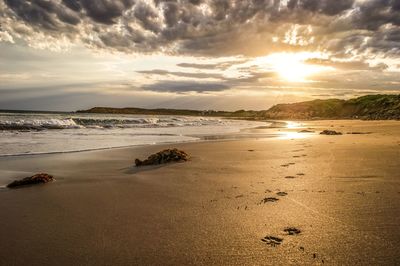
(342, 193)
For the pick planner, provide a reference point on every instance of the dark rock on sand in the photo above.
(31, 180)
(165, 156)
(330, 132)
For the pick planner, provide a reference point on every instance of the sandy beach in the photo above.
(341, 192)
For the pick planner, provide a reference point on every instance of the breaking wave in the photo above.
(81, 122)
(38, 124)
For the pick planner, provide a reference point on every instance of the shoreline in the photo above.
(202, 137)
(90, 150)
(97, 133)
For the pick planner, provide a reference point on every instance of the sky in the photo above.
(66, 55)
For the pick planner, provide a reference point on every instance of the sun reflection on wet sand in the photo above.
(293, 135)
(291, 124)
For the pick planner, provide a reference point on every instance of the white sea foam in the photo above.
(38, 124)
(32, 133)
(19, 122)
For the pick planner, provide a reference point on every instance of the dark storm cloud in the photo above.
(45, 14)
(185, 86)
(198, 66)
(328, 7)
(102, 11)
(211, 28)
(147, 17)
(374, 13)
(75, 5)
(346, 65)
(222, 65)
(197, 75)
(253, 77)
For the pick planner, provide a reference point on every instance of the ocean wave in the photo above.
(144, 122)
(105, 123)
(38, 124)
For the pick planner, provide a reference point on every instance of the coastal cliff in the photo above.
(369, 107)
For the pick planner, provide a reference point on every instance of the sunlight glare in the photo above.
(291, 67)
(292, 135)
(290, 124)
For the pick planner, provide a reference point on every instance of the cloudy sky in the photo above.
(196, 54)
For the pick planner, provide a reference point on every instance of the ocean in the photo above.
(41, 133)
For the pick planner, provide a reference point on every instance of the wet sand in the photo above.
(338, 197)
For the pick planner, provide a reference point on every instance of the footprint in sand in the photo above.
(292, 231)
(287, 164)
(281, 193)
(269, 199)
(272, 240)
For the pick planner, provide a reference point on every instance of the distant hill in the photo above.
(159, 111)
(374, 107)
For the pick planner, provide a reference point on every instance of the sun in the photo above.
(295, 71)
(291, 67)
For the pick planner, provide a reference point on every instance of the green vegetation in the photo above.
(365, 107)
